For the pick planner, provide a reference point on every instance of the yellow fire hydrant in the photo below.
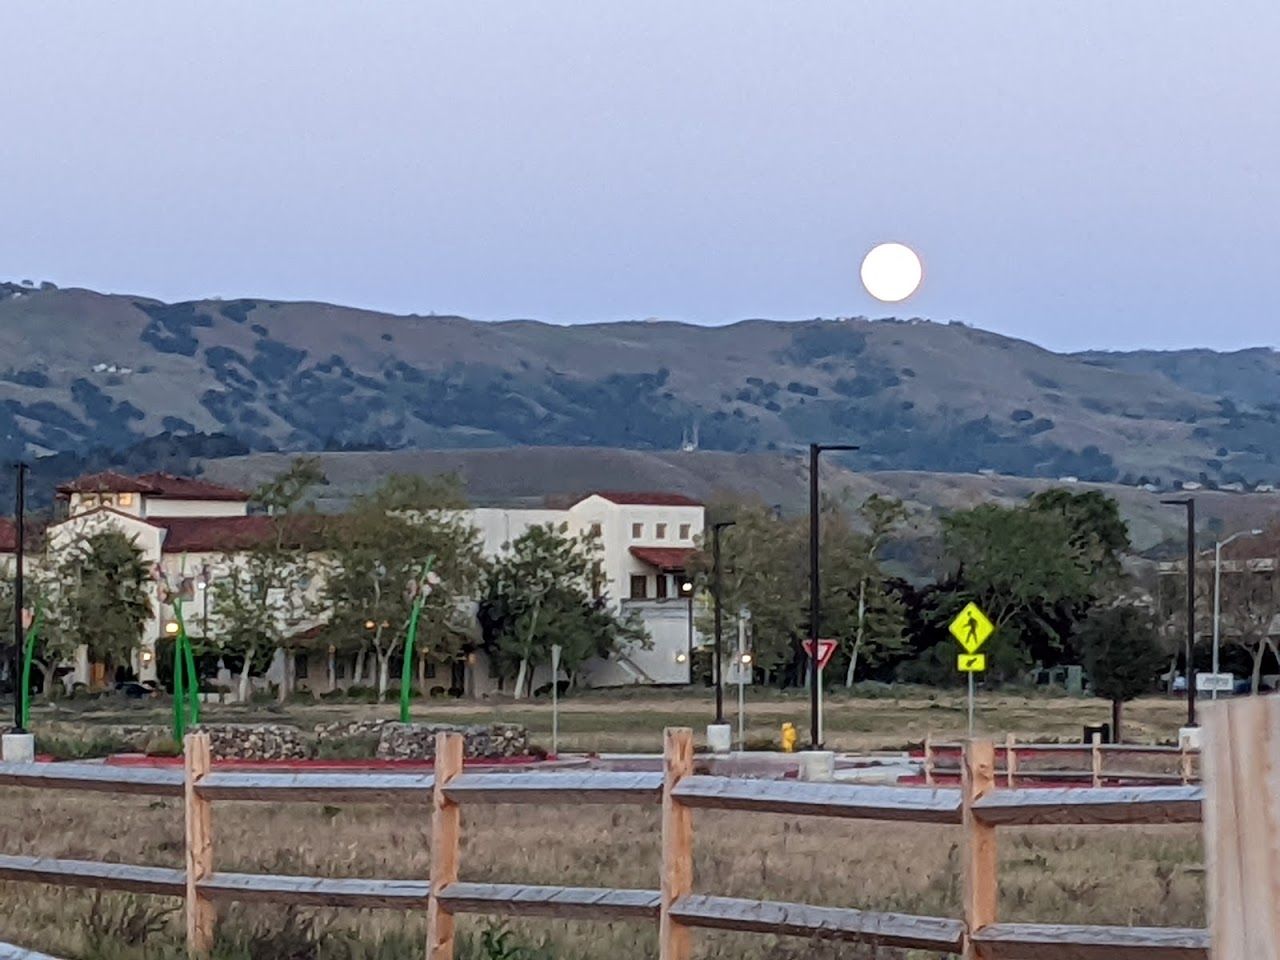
(789, 737)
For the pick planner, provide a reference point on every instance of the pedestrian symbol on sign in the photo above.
(971, 628)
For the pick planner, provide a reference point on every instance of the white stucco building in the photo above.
(193, 529)
(646, 542)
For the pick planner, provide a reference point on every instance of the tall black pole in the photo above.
(719, 650)
(814, 595)
(1189, 654)
(1191, 611)
(20, 518)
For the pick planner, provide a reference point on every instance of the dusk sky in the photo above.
(1081, 173)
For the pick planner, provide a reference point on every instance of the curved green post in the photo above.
(28, 653)
(406, 669)
(179, 697)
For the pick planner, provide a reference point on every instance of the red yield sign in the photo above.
(826, 648)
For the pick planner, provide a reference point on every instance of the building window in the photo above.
(660, 531)
(108, 500)
(660, 585)
(431, 669)
(339, 669)
(597, 531)
(126, 499)
(685, 531)
(637, 531)
(90, 499)
(300, 666)
(639, 586)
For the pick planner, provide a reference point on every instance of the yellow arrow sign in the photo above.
(971, 662)
(971, 628)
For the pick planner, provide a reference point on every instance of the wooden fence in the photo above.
(976, 807)
(943, 760)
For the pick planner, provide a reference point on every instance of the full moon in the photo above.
(891, 272)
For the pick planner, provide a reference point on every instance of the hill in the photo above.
(90, 370)
(527, 475)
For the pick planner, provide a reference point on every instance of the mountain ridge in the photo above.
(91, 370)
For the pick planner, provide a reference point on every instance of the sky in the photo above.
(1080, 173)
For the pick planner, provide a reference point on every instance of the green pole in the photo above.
(29, 650)
(406, 669)
(191, 684)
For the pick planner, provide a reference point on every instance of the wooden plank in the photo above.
(566, 903)
(127, 877)
(569, 787)
(9, 952)
(1242, 827)
(446, 838)
(1095, 759)
(201, 913)
(821, 923)
(316, 891)
(674, 941)
(796, 798)
(1010, 762)
(1032, 941)
(319, 787)
(981, 886)
(95, 777)
(1065, 806)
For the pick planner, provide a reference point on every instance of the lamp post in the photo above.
(815, 600)
(20, 517)
(1217, 594)
(1190, 504)
(719, 653)
(686, 588)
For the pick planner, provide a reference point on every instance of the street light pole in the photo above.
(686, 587)
(20, 518)
(719, 652)
(815, 596)
(1217, 594)
(1190, 504)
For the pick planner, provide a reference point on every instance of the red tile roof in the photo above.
(666, 559)
(108, 481)
(166, 485)
(163, 485)
(225, 534)
(645, 499)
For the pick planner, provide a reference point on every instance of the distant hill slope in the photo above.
(527, 475)
(89, 370)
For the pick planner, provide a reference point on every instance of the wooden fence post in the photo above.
(1184, 761)
(1095, 757)
(1240, 762)
(201, 913)
(981, 888)
(446, 830)
(928, 759)
(1010, 761)
(674, 941)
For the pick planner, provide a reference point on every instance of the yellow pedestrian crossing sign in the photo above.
(971, 628)
(971, 662)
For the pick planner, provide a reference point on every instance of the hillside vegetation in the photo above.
(88, 370)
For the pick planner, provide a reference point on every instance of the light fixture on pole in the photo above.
(1217, 595)
(686, 590)
(1190, 504)
(719, 583)
(815, 596)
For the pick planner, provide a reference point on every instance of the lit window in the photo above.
(108, 500)
(126, 500)
(90, 499)
(685, 531)
(660, 531)
(637, 531)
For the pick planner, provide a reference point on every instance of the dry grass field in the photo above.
(1093, 875)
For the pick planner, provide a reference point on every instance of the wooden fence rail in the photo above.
(978, 807)
(943, 759)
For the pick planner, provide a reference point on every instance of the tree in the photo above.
(1036, 570)
(258, 597)
(99, 597)
(381, 547)
(541, 592)
(766, 571)
(1122, 655)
